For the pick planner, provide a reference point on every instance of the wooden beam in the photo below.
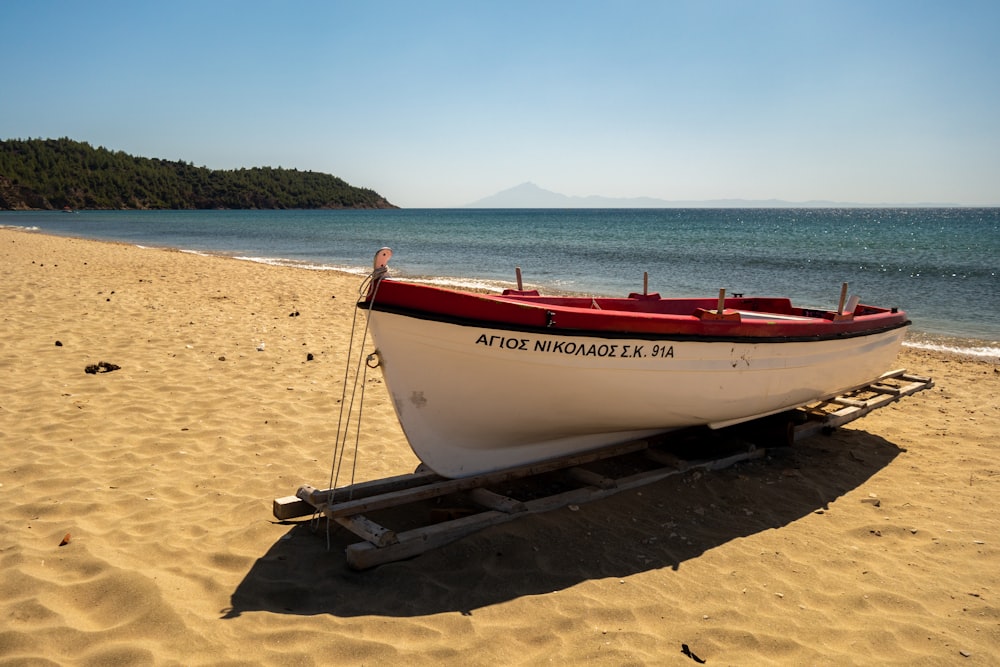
(665, 459)
(852, 402)
(382, 545)
(591, 478)
(308, 499)
(855, 409)
(364, 555)
(290, 507)
(444, 487)
(368, 530)
(414, 542)
(495, 501)
(885, 389)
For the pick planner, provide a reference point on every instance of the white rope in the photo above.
(347, 407)
(371, 283)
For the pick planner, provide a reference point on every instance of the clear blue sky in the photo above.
(437, 104)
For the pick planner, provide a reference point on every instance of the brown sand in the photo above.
(162, 475)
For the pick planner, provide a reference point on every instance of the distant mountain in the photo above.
(529, 195)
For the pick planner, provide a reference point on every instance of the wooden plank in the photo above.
(636, 480)
(881, 378)
(414, 542)
(286, 508)
(495, 501)
(376, 487)
(364, 555)
(368, 530)
(386, 485)
(855, 409)
(665, 459)
(290, 507)
(853, 402)
(310, 499)
(916, 384)
(365, 505)
(383, 545)
(591, 478)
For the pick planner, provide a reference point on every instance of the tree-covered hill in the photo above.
(62, 173)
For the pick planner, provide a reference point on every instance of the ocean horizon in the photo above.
(937, 264)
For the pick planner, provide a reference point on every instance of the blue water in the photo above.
(940, 265)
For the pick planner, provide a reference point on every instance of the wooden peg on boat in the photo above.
(655, 296)
(720, 310)
(519, 290)
(841, 314)
(843, 298)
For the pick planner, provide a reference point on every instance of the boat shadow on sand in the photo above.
(662, 525)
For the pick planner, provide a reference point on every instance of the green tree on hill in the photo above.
(59, 173)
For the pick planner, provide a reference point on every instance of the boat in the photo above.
(484, 382)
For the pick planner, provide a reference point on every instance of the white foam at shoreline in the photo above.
(278, 261)
(984, 352)
(489, 286)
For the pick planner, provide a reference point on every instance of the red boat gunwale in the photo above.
(761, 320)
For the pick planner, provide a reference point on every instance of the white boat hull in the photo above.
(473, 400)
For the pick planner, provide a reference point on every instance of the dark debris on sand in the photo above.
(101, 367)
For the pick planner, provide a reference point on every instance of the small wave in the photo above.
(32, 228)
(310, 266)
(990, 352)
(466, 283)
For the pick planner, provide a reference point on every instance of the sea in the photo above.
(940, 265)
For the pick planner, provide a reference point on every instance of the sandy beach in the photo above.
(136, 525)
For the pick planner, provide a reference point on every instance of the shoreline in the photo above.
(136, 526)
(967, 348)
(964, 346)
